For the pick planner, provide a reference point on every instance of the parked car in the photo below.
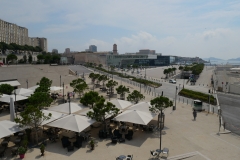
(172, 81)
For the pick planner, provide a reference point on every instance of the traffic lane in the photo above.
(80, 69)
(230, 111)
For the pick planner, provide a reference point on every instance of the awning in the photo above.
(7, 98)
(12, 83)
(8, 128)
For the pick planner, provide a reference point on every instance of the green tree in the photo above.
(40, 57)
(101, 110)
(122, 90)
(79, 85)
(159, 104)
(166, 72)
(6, 89)
(40, 100)
(102, 78)
(111, 84)
(30, 58)
(44, 85)
(56, 58)
(93, 77)
(24, 58)
(180, 67)
(11, 57)
(100, 65)
(90, 98)
(32, 117)
(135, 96)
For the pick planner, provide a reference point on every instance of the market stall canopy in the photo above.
(64, 108)
(13, 83)
(73, 122)
(24, 92)
(120, 104)
(7, 98)
(33, 87)
(54, 116)
(85, 111)
(8, 128)
(142, 106)
(55, 88)
(135, 116)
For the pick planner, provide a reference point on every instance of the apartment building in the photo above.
(12, 33)
(36, 41)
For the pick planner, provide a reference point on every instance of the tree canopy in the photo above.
(90, 98)
(11, 57)
(135, 96)
(6, 89)
(122, 90)
(159, 104)
(101, 110)
(111, 84)
(79, 85)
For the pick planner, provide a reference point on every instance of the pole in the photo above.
(27, 83)
(121, 76)
(175, 99)
(69, 104)
(63, 92)
(60, 80)
(183, 82)
(160, 132)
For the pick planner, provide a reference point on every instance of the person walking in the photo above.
(194, 114)
(73, 94)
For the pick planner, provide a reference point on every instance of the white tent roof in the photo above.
(55, 88)
(33, 87)
(142, 106)
(22, 91)
(64, 108)
(12, 83)
(8, 128)
(7, 98)
(73, 122)
(3, 95)
(85, 111)
(55, 116)
(28, 94)
(120, 104)
(134, 116)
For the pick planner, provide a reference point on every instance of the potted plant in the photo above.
(21, 152)
(42, 149)
(92, 144)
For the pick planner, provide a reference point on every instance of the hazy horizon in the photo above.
(176, 27)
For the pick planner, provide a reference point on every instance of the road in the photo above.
(80, 69)
(230, 111)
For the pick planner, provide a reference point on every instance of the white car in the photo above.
(172, 81)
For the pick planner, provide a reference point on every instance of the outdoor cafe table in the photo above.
(122, 157)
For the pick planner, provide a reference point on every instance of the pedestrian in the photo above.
(73, 94)
(194, 114)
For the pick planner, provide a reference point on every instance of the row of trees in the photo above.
(48, 58)
(18, 48)
(169, 71)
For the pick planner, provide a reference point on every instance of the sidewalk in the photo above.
(194, 140)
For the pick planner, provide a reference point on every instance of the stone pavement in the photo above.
(185, 138)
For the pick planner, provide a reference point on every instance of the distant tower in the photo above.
(114, 49)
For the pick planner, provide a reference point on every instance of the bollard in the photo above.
(183, 100)
(179, 99)
(187, 101)
(213, 109)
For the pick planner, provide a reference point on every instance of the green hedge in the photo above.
(143, 81)
(197, 95)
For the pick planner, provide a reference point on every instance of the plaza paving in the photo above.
(194, 140)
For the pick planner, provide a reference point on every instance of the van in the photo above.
(172, 81)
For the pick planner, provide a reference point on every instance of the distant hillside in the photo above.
(234, 59)
(212, 59)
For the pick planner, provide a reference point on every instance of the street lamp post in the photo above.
(174, 108)
(60, 80)
(69, 101)
(63, 92)
(27, 83)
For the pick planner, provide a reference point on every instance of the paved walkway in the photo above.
(194, 140)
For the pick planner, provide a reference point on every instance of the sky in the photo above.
(203, 28)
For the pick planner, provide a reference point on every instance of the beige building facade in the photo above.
(12, 33)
